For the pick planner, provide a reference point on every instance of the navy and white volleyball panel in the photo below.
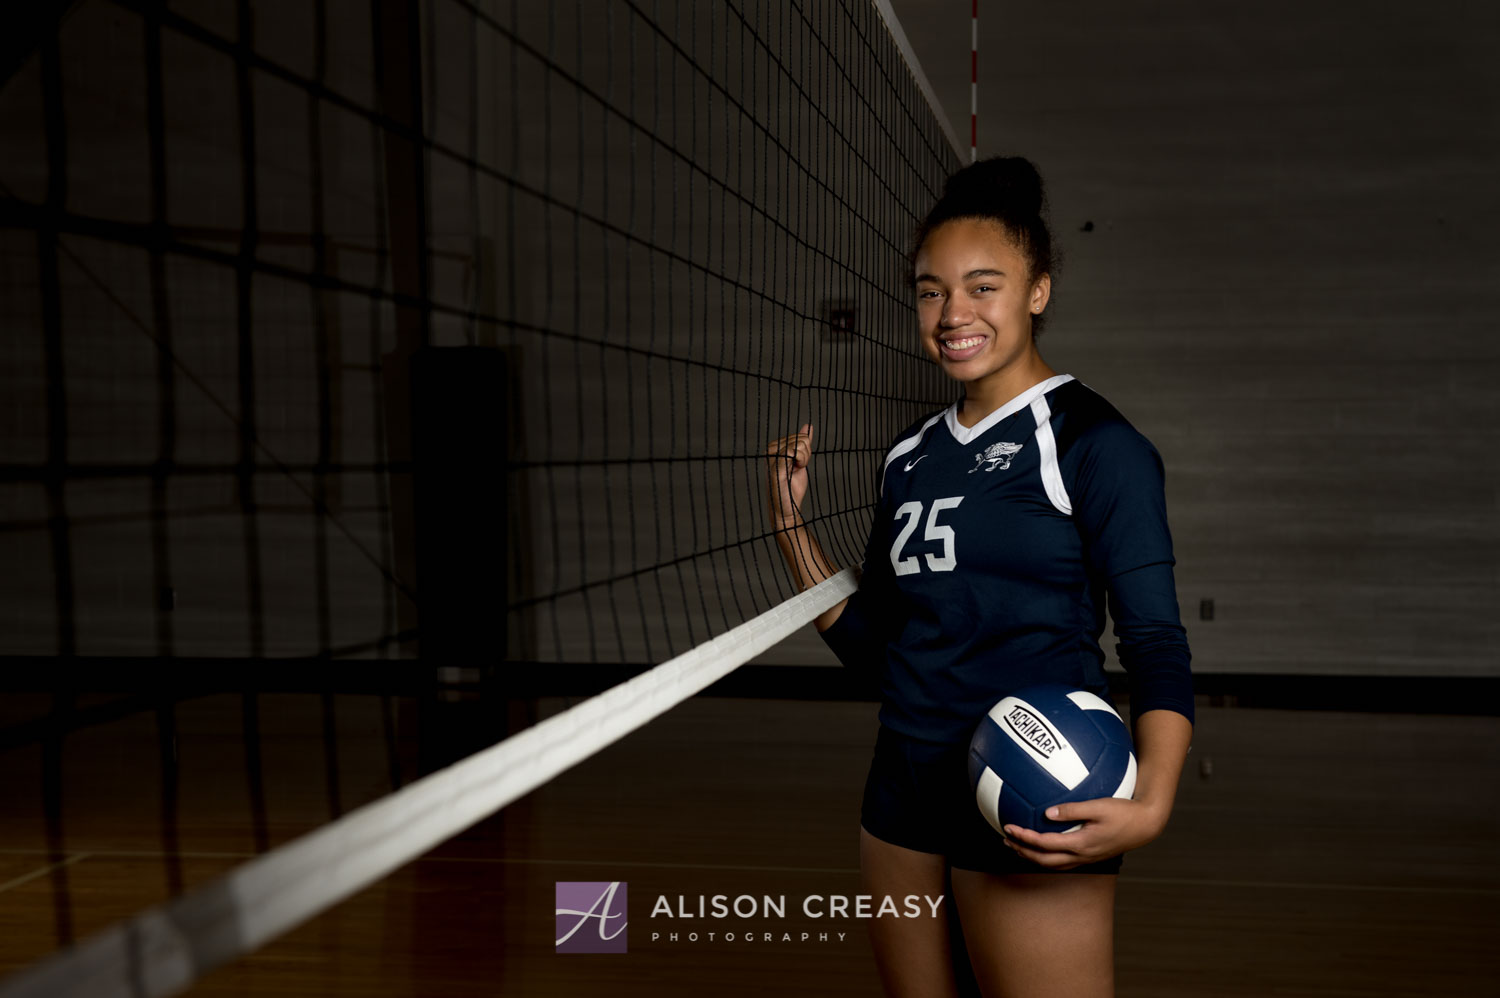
(1047, 745)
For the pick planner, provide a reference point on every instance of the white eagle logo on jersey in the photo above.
(996, 456)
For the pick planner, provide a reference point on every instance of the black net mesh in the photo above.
(606, 250)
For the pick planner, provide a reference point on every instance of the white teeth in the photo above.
(963, 344)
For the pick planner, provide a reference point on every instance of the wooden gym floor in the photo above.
(1311, 853)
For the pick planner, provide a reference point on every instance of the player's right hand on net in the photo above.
(786, 473)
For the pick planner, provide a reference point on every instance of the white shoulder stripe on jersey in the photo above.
(964, 434)
(1046, 446)
(909, 444)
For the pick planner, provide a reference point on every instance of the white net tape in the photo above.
(165, 949)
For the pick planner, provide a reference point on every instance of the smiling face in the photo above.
(975, 301)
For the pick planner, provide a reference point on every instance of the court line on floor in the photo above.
(641, 864)
(157, 854)
(136, 854)
(1310, 886)
(1172, 881)
(38, 874)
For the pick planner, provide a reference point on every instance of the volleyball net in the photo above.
(579, 262)
(448, 332)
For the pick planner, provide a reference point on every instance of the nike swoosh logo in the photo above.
(912, 464)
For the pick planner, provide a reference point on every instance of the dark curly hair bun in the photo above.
(1007, 185)
(1007, 190)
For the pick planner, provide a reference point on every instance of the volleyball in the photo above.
(1047, 745)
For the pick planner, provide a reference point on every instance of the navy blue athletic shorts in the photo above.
(918, 796)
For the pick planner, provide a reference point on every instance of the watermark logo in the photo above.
(592, 916)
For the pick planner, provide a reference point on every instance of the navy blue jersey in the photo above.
(992, 553)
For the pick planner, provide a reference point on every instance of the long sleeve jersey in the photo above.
(993, 551)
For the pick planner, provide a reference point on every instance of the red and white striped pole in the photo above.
(974, 90)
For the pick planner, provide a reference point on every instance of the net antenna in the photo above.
(974, 88)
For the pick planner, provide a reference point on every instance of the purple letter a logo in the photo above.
(578, 904)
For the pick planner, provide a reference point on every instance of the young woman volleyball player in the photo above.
(1003, 525)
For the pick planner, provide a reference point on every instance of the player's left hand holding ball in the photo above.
(1110, 826)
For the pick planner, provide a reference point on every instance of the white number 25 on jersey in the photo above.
(912, 512)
